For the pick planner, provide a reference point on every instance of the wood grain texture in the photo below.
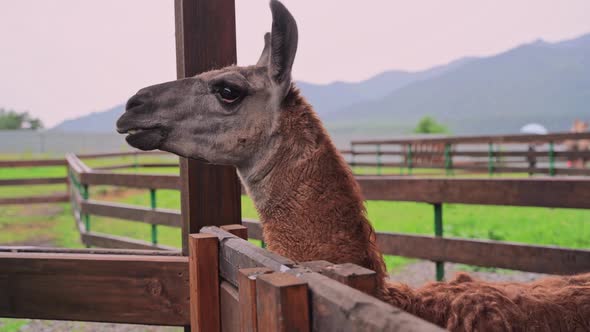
(88, 251)
(204, 283)
(41, 199)
(542, 259)
(237, 230)
(282, 303)
(144, 181)
(553, 192)
(32, 163)
(335, 306)
(132, 212)
(230, 307)
(205, 40)
(247, 295)
(236, 254)
(29, 182)
(102, 288)
(102, 240)
(353, 276)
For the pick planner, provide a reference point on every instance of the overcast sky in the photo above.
(64, 58)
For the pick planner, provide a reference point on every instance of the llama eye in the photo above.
(229, 94)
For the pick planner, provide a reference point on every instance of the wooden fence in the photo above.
(536, 192)
(226, 284)
(558, 192)
(532, 154)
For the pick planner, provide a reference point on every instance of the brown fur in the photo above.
(312, 209)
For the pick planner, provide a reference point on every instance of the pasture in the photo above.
(52, 224)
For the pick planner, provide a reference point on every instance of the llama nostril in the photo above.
(140, 98)
(135, 101)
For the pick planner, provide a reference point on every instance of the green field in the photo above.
(20, 224)
(53, 225)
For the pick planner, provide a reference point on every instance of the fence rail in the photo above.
(558, 192)
(552, 154)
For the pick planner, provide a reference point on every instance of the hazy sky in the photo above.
(64, 58)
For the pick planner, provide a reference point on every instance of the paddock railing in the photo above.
(551, 154)
(558, 192)
(226, 284)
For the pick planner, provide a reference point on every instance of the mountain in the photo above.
(327, 98)
(548, 83)
(94, 122)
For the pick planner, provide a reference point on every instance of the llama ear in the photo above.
(264, 57)
(283, 45)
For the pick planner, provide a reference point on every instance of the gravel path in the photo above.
(418, 274)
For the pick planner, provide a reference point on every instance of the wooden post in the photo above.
(240, 231)
(204, 283)
(247, 290)
(206, 39)
(282, 303)
(352, 275)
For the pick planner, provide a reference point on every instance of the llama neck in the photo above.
(307, 197)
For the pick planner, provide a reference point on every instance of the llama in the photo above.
(308, 200)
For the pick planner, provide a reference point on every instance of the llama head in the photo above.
(222, 116)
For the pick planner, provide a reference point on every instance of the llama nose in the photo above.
(139, 99)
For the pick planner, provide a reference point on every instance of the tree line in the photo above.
(12, 120)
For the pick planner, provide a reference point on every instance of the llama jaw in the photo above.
(145, 138)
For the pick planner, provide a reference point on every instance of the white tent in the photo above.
(534, 128)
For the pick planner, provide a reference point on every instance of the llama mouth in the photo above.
(145, 138)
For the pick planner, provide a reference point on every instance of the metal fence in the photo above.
(56, 142)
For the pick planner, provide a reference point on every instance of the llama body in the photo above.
(310, 204)
(311, 208)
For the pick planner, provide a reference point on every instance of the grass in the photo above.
(12, 325)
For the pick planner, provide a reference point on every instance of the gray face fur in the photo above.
(222, 116)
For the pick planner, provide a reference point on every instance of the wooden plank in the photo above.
(237, 230)
(541, 192)
(32, 163)
(131, 212)
(101, 288)
(118, 242)
(144, 181)
(122, 154)
(41, 199)
(520, 138)
(29, 182)
(74, 161)
(247, 296)
(542, 259)
(282, 303)
(335, 305)
(135, 165)
(230, 307)
(236, 254)
(254, 228)
(204, 283)
(349, 274)
(95, 251)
